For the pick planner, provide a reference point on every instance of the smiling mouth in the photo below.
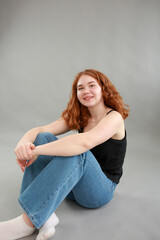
(88, 98)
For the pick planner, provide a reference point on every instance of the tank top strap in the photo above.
(110, 111)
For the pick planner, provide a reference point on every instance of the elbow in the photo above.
(88, 144)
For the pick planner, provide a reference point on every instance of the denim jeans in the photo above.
(51, 179)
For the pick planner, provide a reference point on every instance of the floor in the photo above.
(134, 212)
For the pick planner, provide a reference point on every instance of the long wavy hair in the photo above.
(77, 115)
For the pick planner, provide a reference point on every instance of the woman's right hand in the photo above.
(23, 151)
(22, 164)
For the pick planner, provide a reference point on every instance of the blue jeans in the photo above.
(51, 179)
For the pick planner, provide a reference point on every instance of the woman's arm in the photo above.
(25, 146)
(57, 127)
(78, 143)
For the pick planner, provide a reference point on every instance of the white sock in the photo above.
(48, 229)
(15, 229)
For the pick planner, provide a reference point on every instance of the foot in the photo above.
(15, 229)
(48, 229)
(44, 235)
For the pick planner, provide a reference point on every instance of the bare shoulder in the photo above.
(119, 121)
(114, 113)
(111, 126)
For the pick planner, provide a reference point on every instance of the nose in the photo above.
(86, 91)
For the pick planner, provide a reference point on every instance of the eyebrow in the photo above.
(87, 83)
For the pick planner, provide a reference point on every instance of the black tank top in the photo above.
(110, 155)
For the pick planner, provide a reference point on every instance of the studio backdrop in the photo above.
(44, 44)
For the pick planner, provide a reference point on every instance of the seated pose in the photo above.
(84, 167)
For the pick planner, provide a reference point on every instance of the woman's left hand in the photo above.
(26, 163)
(35, 156)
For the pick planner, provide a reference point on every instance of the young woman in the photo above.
(85, 167)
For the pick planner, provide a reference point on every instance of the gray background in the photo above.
(43, 44)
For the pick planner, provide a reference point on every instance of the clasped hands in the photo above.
(26, 154)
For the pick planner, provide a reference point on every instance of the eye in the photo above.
(92, 85)
(79, 89)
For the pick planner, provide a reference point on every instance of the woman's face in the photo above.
(89, 92)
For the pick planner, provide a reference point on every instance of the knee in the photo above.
(93, 204)
(44, 137)
(90, 205)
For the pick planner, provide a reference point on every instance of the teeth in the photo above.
(87, 98)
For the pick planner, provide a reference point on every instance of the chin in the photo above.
(89, 104)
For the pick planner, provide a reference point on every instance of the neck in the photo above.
(97, 112)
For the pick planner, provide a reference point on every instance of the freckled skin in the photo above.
(89, 92)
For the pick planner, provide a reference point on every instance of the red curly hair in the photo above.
(76, 115)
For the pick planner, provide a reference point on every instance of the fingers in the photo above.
(32, 146)
(22, 168)
(25, 155)
(24, 151)
(25, 163)
(29, 163)
(21, 164)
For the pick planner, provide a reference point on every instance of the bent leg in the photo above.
(81, 174)
(41, 162)
(94, 189)
(40, 199)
